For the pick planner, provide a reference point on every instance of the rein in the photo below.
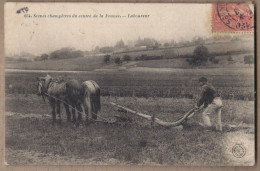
(69, 105)
(44, 89)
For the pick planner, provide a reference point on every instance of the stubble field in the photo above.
(31, 138)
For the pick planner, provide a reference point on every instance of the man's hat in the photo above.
(203, 79)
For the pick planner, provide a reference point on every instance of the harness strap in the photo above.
(70, 105)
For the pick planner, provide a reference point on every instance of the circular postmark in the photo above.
(239, 150)
(238, 17)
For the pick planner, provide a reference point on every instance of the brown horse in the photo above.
(91, 98)
(85, 97)
(56, 92)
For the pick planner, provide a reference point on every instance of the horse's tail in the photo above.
(93, 91)
(98, 99)
(95, 97)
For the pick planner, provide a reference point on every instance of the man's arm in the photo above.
(202, 97)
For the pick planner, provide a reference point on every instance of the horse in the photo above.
(91, 98)
(75, 97)
(85, 97)
(56, 93)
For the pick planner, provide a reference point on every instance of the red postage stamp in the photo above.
(232, 17)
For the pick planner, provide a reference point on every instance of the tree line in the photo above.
(199, 57)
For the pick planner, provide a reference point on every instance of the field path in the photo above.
(31, 157)
(29, 115)
(229, 139)
(199, 71)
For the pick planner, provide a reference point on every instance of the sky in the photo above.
(43, 35)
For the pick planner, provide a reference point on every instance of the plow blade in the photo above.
(177, 123)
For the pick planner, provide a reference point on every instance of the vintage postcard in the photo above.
(129, 84)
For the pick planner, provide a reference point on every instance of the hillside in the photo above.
(221, 51)
(220, 47)
(77, 64)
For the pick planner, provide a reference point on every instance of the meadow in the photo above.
(178, 56)
(165, 88)
(231, 83)
(218, 47)
(31, 138)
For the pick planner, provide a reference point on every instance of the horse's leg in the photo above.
(94, 114)
(67, 112)
(79, 112)
(78, 107)
(94, 111)
(83, 109)
(88, 104)
(93, 108)
(73, 114)
(53, 111)
(58, 110)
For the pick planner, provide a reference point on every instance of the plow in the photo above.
(154, 120)
(178, 124)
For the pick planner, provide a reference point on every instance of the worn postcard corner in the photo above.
(129, 84)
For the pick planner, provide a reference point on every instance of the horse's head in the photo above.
(43, 83)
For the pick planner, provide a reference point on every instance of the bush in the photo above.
(215, 61)
(106, 49)
(200, 55)
(127, 58)
(118, 61)
(146, 57)
(66, 53)
(211, 58)
(230, 59)
(249, 59)
(107, 58)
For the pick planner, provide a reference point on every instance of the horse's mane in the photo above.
(58, 80)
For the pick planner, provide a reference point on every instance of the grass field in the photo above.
(31, 138)
(237, 62)
(90, 63)
(75, 64)
(222, 47)
(152, 87)
(232, 83)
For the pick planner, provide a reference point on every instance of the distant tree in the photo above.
(107, 58)
(37, 58)
(120, 44)
(7, 58)
(172, 43)
(211, 58)
(200, 55)
(118, 61)
(106, 49)
(97, 48)
(166, 44)
(230, 59)
(127, 58)
(22, 60)
(44, 57)
(198, 40)
(149, 42)
(65, 53)
(215, 61)
(249, 59)
(168, 53)
(156, 45)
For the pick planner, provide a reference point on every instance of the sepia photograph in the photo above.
(158, 84)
